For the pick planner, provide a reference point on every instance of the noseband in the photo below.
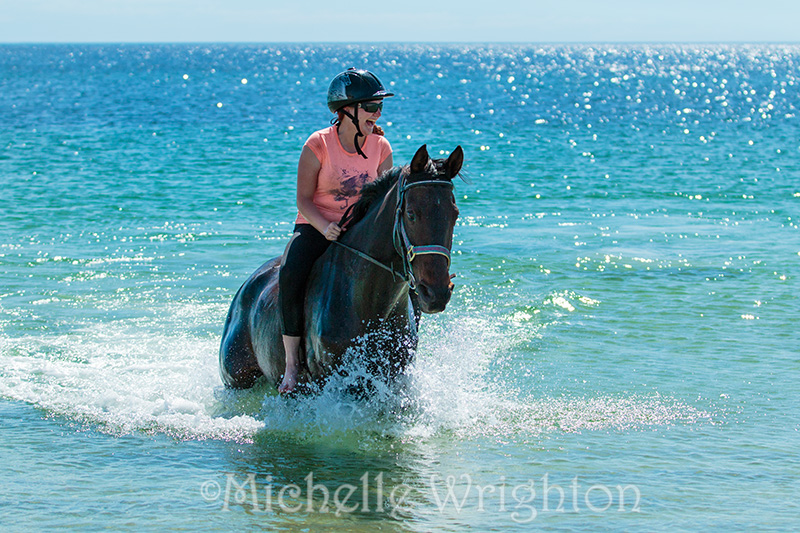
(402, 244)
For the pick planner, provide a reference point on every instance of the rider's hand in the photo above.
(332, 232)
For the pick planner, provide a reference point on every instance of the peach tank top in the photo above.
(342, 174)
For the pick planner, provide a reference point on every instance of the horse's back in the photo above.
(247, 352)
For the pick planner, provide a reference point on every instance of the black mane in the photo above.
(375, 190)
(378, 189)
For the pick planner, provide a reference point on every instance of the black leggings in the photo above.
(305, 247)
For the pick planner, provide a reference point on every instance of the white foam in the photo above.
(122, 379)
(452, 389)
(127, 376)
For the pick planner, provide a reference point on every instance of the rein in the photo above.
(402, 244)
(371, 259)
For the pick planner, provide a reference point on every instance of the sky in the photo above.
(461, 21)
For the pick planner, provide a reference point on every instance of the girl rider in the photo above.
(335, 163)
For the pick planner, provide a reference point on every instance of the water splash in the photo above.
(122, 378)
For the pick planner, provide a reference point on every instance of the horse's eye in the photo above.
(411, 216)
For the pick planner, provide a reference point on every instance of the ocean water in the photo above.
(618, 354)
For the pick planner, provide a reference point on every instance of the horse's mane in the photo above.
(375, 190)
(378, 189)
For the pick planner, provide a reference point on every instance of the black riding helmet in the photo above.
(351, 87)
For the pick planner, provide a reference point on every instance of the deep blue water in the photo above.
(621, 332)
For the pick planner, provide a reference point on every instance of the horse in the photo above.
(361, 290)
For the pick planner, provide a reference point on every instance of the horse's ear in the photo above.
(454, 162)
(420, 161)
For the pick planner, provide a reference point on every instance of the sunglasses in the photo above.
(371, 107)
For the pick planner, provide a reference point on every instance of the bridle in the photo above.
(402, 244)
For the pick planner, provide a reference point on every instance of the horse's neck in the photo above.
(373, 234)
(374, 287)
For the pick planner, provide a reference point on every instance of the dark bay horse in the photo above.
(358, 291)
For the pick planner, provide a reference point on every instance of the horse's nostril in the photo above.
(424, 291)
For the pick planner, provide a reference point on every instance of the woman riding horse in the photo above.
(335, 164)
(334, 298)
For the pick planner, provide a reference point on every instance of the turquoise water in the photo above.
(618, 353)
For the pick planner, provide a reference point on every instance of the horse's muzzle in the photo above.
(433, 299)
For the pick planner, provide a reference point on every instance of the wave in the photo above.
(123, 377)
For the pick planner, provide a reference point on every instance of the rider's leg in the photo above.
(304, 248)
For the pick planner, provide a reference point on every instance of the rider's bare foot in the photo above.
(289, 380)
(291, 346)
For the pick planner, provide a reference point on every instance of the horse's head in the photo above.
(426, 217)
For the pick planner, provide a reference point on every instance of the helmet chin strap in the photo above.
(354, 118)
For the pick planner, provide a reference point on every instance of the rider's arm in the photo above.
(307, 175)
